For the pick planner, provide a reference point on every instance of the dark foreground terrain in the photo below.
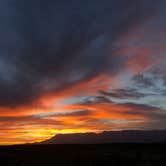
(107, 137)
(84, 155)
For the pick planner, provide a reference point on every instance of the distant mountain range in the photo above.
(126, 136)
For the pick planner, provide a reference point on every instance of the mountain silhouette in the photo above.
(126, 136)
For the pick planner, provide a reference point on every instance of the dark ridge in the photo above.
(126, 136)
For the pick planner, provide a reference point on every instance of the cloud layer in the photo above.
(79, 65)
(46, 46)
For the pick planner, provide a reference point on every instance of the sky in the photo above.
(75, 66)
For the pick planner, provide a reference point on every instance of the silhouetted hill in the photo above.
(133, 136)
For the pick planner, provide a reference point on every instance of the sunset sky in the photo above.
(71, 66)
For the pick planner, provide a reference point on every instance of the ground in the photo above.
(84, 155)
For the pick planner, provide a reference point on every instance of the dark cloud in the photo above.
(64, 114)
(160, 71)
(78, 113)
(153, 83)
(15, 118)
(145, 111)
(123, 93)
(95, 99)
(22, 121)
(43, 116)
(148, 89)
(128, 108)
(144, 81)
(49, 45)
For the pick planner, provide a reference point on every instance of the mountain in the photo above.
(126, 136)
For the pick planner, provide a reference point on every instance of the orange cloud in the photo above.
(23, 124)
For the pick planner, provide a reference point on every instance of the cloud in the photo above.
(51, 45)
(80, 65)
(122, 93)
(63, 114)
(147, 89)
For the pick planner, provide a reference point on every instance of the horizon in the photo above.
(81, 66)
(65, 138)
